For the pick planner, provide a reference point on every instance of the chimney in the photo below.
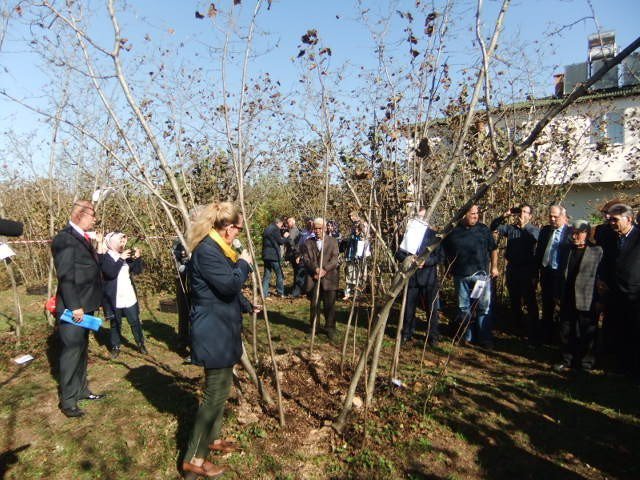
(558, 80)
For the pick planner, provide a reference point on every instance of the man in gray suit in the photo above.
(324, 273)
(578, 321)
(79, 290)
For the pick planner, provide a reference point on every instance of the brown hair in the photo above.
(217, 215)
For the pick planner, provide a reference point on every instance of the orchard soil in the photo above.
(500, 413)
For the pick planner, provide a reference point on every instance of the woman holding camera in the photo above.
(216, 274)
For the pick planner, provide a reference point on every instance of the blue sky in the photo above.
(528, 26)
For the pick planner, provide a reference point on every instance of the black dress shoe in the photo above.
(72, 412)
(94, 396)
(143, 350)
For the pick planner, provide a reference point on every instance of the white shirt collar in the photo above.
(77, 228)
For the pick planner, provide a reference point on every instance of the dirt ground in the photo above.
(490, 414)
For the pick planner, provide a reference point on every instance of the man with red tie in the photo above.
(79, 290)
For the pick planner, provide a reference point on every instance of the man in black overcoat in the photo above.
(423, 288)
(623, 288)
(272, 238)
(79, 290)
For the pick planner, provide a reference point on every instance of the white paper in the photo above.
(478, 288)
(413, 236)
(6, 251)
(397, 382)
(362, 249)
(22, 359)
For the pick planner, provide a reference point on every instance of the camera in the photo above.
(515, 210)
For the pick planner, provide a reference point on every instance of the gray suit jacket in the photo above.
(586, 278)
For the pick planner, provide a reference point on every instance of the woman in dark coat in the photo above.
(216, 275)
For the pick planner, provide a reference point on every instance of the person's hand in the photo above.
(495, 272)
(78, 313)
(125, 254)
(246, 256)
(321, 272)
(601, 287)
(257, 308)
(100, 246)
(286, 234)
(136, 252)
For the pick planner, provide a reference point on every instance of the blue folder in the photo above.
(88, 321)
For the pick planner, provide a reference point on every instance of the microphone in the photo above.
(237, 246)
(10, 228)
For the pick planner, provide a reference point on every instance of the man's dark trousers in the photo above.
(299, 276)
(521, 283)
(578, 335)
(625, 314)
(269, 266)
(328, 299)
(133, 317)
(429, 295)
(550, 283)
(73, 364)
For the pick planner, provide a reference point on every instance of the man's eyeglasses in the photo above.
(237, 227)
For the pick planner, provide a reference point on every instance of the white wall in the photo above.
(584, 200)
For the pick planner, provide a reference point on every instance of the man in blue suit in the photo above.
(552, 251)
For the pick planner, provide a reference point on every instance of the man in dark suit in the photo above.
(552, 252)
(325, 272)
(272, 238)
(423, 287)
(521, 274)
(624, 289)
(607, 238)
(79, 290)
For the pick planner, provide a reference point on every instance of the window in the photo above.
(615, 127)
(608, 128)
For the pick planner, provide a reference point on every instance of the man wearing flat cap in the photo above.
(578, 321)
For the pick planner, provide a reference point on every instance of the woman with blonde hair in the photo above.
(216, 274)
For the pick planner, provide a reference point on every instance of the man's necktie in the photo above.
(546, 259)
